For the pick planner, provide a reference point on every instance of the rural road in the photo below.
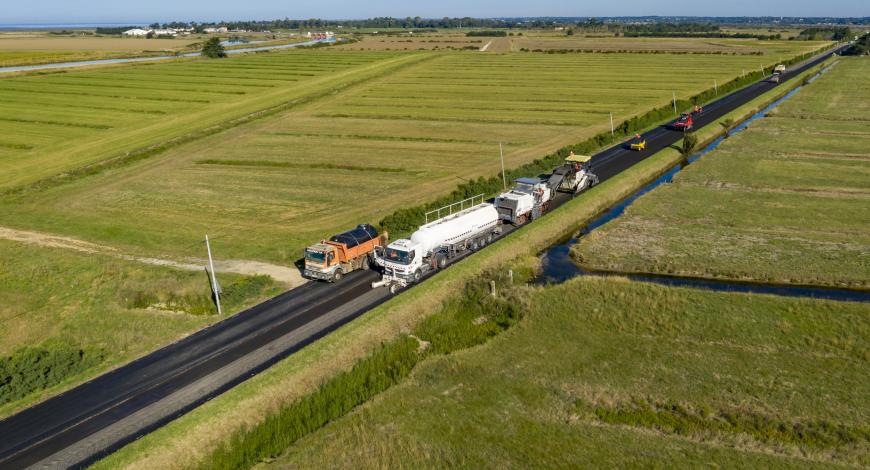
(98, 417)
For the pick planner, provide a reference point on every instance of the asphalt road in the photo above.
(98, 417)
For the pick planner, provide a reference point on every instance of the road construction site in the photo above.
(99, 416)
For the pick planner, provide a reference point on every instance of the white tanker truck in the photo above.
(406, 261)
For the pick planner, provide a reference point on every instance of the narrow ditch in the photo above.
(557, 265)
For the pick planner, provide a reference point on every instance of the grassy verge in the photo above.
(776, 203)
(190, 439)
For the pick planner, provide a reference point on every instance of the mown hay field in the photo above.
(611, 373)
(674, 45)
(267, 189)
(40, 48)
(56, 122)
(784, 201)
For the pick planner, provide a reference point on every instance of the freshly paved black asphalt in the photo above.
(46, 428)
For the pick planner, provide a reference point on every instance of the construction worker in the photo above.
(697, 109)
(637, 136)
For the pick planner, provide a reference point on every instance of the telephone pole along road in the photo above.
(98, 417)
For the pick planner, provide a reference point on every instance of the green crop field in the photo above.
(608, 373)
(785, 201)
(350, 157)
(60, 121)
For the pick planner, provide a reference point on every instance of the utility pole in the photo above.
(611, 124)
(501, 155)
(675, 102)
(716, 87)
(214, 284)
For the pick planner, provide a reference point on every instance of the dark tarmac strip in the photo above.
(100, 416)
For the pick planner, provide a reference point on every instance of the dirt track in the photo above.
(283, 274)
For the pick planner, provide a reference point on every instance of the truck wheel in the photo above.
(366, 263)
(337, 275)
(488, 238)
(441, 261)
(418, 275)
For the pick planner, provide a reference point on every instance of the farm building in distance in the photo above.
(137, 32)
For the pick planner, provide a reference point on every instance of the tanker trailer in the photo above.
(434, 244)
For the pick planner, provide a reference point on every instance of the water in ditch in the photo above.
(557, 265)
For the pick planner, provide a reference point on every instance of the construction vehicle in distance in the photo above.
(355, 249)
(471, 227)
(638, 143)
(684, 123)
(574, 176)
(527, 200)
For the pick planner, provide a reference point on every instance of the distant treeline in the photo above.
(492, 33)
(638, 24)
(861, 46)
(825, 34)
(705, 35)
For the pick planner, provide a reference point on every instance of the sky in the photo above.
(114, 11)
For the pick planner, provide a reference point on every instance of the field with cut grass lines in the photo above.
(56, 122)
(346, 158)
(784, 201)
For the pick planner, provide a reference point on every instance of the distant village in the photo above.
(175, 32)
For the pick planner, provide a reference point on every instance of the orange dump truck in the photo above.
(331, 259)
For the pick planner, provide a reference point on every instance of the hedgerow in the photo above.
(675, 418)
(34, 368)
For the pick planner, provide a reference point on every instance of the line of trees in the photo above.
(861, 46)
(825, 34)
(640, 24)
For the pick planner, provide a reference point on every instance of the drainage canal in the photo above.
(557, 265)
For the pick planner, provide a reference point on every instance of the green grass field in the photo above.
(60, 121)
(351, 157)
(612, 373)
(785, 201)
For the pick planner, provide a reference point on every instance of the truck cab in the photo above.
(321, 261)
(403, 261)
